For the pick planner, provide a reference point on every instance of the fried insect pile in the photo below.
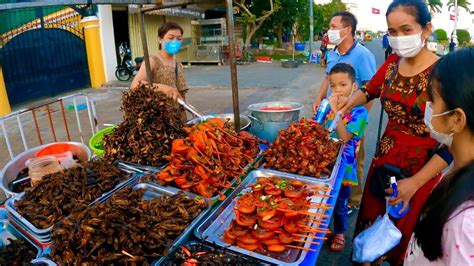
(201, 254)
(209, 158)
(273, 215)
(151, 123)
(124, 230)
(303, 148)
(58, 195)
(17, 252)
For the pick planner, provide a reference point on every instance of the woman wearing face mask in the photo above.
(406, 146)
(444, 235)
(167, 74)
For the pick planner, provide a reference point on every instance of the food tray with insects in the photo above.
(209, 160)
(14, 246)
(143, 222)
(201, 253)
(271, 216)
(58, 195)
(305, 149)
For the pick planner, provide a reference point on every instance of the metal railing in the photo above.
(48, 109)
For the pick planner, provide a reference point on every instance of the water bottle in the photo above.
(323, 111)
(394, 210)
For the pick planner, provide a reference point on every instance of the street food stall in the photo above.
(227, 189)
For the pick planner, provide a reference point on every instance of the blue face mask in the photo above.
(172, 47)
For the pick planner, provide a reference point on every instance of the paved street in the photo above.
(210, 93)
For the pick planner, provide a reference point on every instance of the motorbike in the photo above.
(127, 69)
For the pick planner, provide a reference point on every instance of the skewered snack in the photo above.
(17, 252)
(209, 158)
(275, 214)
(151, 123)
(304, 148)
(58, 195)
(124, 230)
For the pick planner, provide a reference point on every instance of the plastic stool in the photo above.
(314, 58)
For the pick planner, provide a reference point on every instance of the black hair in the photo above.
(348, 20)
(167, 27)
(343, 68)
(416, 8)
(455, 78)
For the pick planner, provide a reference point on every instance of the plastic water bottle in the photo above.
(394, 210)
(322, 112)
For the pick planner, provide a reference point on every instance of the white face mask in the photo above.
(335, 36)
(407, 46)
(439, 137)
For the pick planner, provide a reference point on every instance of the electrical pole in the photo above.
(311, 27)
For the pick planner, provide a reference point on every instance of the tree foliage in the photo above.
(434, 5)
(441, 34)
(465, 4)
(254, 14)
(463, 36)
(323, 14)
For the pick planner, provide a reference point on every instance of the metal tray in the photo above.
(44, 233)
(153, 191)
(7, 230)
(170, 259)
(212, 228)
(325, 177)
(232, 182)
(138, 168)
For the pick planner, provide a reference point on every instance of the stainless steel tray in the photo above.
(138, 168)
(7, 230)
(170, 259)
(325, 177)
(232, 182)
(44, 234)
(212, 228)
(152, 191)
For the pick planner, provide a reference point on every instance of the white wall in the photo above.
(108, 41)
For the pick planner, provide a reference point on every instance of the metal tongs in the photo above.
(189, 107)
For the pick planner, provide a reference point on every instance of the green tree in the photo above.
(463, 36)
(441, 35)
(323, 14)
(255, 13)
(461, 4)
(289, 12)
(434, 5)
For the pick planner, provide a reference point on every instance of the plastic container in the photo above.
(55, 148)
(95, 142)
(394, 211)
(42, 166)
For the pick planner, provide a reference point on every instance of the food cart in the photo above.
(135, 180)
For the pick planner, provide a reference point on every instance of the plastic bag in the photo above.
(376, 240)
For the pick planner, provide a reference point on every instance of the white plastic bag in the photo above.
(376, 240)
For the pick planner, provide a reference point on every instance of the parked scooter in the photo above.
(127, 69)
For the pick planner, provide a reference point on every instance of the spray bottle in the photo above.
(394, 210)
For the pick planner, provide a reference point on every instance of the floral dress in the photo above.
(406, 143)
(356, 122)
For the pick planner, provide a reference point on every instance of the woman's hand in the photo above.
(406, 189)
(169, 91)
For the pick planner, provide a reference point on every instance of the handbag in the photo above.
(376, 240)
(381, 175)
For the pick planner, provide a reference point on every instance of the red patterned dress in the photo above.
(405, 143)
